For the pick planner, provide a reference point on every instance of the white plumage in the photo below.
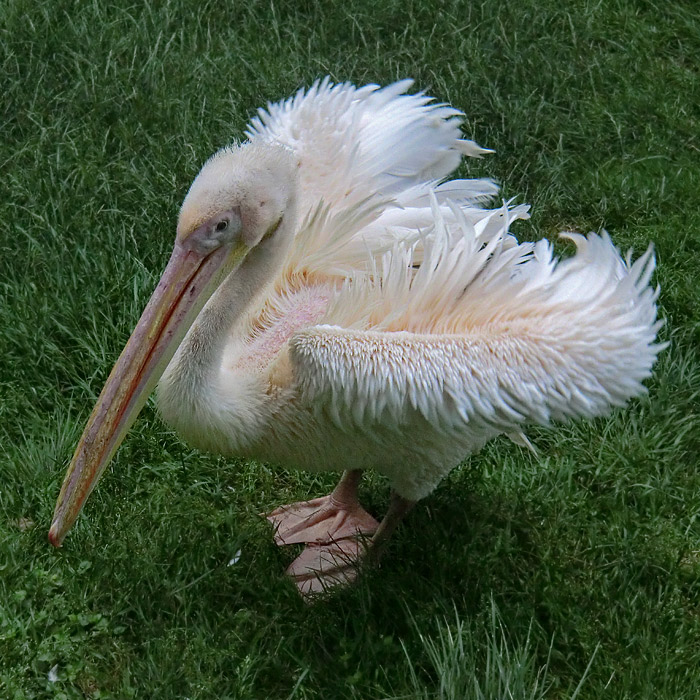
(380, 317)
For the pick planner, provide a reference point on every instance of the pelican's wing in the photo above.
(494, 382)
(358, 143)
(370, 161)
(482, 337)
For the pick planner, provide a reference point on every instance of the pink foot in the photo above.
(322, 520)
(322, 566)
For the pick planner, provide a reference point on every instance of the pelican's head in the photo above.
(243, 200)
(242, 191)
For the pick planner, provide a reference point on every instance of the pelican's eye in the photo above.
(220, 230)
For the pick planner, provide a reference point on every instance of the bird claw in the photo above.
(336, 530)
(320, 521)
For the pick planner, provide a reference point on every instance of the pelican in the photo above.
(334, 302)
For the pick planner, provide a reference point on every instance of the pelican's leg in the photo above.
(322, 520)
(398, 509)
(324, 565)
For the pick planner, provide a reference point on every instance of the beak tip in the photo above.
(55, 537)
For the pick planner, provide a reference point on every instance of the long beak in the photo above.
(187, 282)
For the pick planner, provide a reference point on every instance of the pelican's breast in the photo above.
(256, 346)
(232, 410)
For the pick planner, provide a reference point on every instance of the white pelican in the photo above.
(331, 303)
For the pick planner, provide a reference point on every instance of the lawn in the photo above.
(574, 574)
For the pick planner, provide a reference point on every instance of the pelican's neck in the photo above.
(196, 365)
(211, 408)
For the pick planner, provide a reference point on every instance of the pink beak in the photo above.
(187, 282)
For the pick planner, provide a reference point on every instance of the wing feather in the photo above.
(371, 161)
(353, 143)
(484, 339)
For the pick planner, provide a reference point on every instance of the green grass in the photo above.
(576, 574)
